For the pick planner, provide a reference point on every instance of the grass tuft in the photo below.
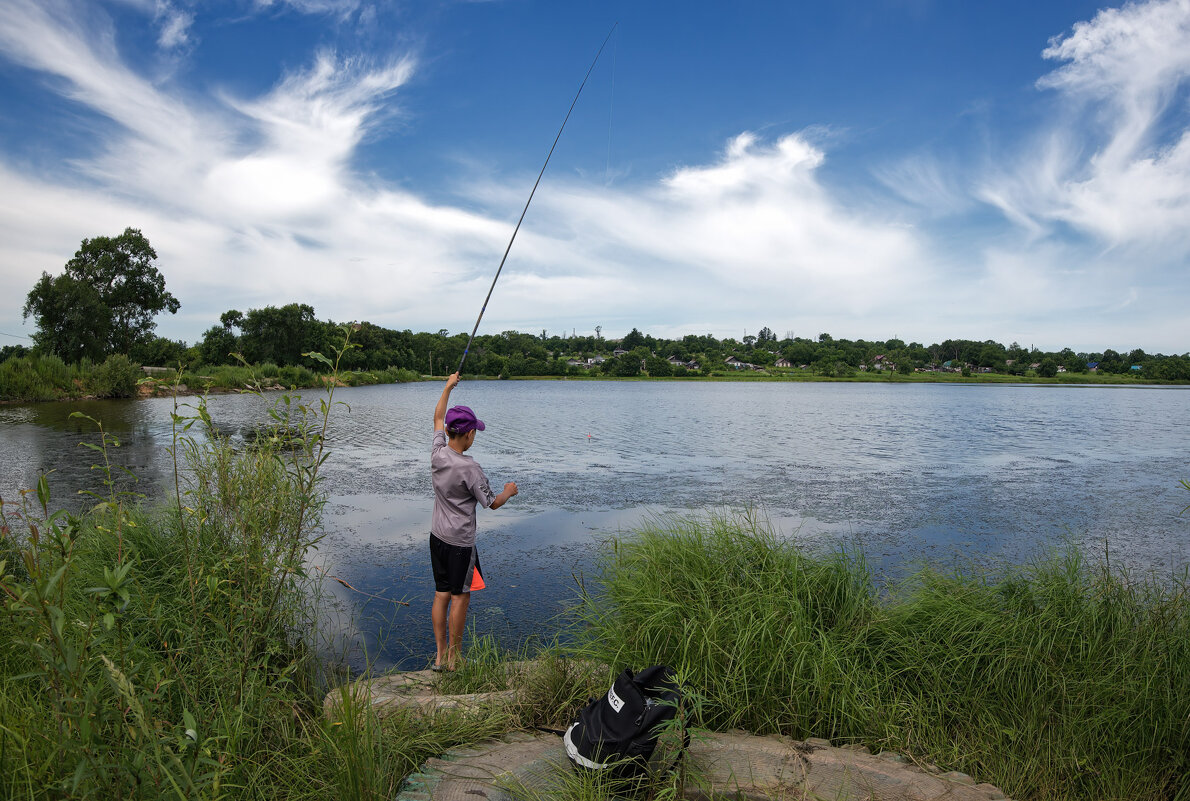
(1058, 680)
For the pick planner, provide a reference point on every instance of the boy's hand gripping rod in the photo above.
(471, 339)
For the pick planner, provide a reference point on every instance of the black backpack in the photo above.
(616, 734)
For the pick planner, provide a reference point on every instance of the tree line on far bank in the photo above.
(102, 308)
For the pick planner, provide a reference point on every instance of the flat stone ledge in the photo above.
(412, 691)
(731, 764)
(736, 763)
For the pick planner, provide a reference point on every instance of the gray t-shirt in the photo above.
(459, 483)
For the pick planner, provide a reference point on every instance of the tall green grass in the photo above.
(151, 653)
(1060, 680)
(46, 377)
(37, 378)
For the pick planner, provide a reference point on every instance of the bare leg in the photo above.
(458, 619)
(438, 618)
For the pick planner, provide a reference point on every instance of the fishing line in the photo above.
(611, 107)
(471, 339)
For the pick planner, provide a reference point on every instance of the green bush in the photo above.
(1061, 680)
(117, 377)
(40, 378)
(228, 377)
(297, 376)
(402, 376)
(20, 380)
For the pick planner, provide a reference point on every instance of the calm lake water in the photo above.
(904, 472)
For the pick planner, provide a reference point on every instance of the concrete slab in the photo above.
(721, 765)
(525, 767)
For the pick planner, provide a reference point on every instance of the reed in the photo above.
(1064, 679)
(39, 378)
(151, 653)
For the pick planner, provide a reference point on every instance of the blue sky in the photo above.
(1017, 171)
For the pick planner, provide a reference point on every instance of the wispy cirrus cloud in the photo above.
(1116, 164)
(755, 232)
(262, 199)
(175, 24)
(268, 191)
(340, 8)
(254, 193)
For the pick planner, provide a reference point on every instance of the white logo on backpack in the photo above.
(616, 701)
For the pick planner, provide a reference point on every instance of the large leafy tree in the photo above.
(217, 345)
(282, 334)
(72, 322)
(633, 339)
(105, 301)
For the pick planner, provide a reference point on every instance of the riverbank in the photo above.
(1066, 379)
(39, 378)
(1061, 679)
(33, 379)
(1057, 680)
(151, 652)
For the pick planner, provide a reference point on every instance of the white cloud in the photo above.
(175, 26)
(341, 8)
(1110, 166)
(936, 187)
(257, 200)
(252, 201)
(755, 234)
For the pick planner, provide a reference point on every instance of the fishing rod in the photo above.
(471, 339)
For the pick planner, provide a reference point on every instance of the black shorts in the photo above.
(456, 567)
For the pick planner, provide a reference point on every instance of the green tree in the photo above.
(1048, 368)
(106, 300)
(129, 293)
(991, 354)
(231, 319)
(281, 335)
(624, 365)
(217, 345)
(658, 367)
(633, 339)
(72, 322)
(1170, 368)
(12, 352)
(158, 351)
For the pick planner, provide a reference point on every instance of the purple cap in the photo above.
(460, 420)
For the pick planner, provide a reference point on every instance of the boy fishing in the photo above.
(459, 483)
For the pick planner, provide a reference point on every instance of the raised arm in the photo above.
(440, 410)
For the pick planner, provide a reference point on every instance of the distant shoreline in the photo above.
(1070, 380)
